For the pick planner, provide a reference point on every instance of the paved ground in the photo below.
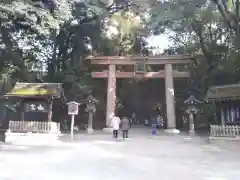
(142, 157)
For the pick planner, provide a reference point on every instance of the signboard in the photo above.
(35, 106)
(140, 66)
(73, 108)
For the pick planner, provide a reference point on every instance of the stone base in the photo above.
(172, 131)
(224, 138)
(90, 130)
(107, 129)
(32, 138)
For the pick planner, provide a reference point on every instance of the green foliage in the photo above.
(58, 37)
(35, 17)
(209, 112)
(119, 105)
(198, 28)
(208, 30)
(55, 36)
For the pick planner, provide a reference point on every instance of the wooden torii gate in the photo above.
(139, 63)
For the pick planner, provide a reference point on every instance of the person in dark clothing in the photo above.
(125, 126)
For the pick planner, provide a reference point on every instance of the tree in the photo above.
(22, 23)
(52, 34)
(196, 27)
(52, 40)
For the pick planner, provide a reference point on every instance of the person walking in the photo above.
(134, 119)
(154, 125)
(158, 122)
(125, 126)
(116, 121)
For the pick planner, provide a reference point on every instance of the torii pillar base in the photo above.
(172, 131)
(107, 130)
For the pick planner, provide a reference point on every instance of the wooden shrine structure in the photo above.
(227, 101)
(34, 106)
(139, 70)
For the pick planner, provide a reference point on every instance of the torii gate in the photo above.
(139, 63)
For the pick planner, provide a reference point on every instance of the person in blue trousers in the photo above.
(154, 126)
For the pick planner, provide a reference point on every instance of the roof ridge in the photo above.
(224, 86)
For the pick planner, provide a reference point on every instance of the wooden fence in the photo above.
(34, 126)
(224, 130)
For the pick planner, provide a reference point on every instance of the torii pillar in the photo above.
(169, 90)
(170, 100)
(111, 94)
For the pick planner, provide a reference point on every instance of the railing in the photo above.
(34, 126)
(224, 130)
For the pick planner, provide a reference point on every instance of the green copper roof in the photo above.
(36, 89)
(225, 92)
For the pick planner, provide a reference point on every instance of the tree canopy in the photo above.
(206, 29)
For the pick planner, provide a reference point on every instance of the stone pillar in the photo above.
(111, 94)
(170, 101)
(90, 122)
(191, 123)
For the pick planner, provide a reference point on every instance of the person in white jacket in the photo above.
(116, 121)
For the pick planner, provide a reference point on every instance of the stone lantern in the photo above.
(192, 109)
(91, 108)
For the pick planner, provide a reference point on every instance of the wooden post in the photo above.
(50, 110)
(22, 109)
(111, 94)
(170, 101)
(72, 125)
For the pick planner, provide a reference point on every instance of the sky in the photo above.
(161, 42)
